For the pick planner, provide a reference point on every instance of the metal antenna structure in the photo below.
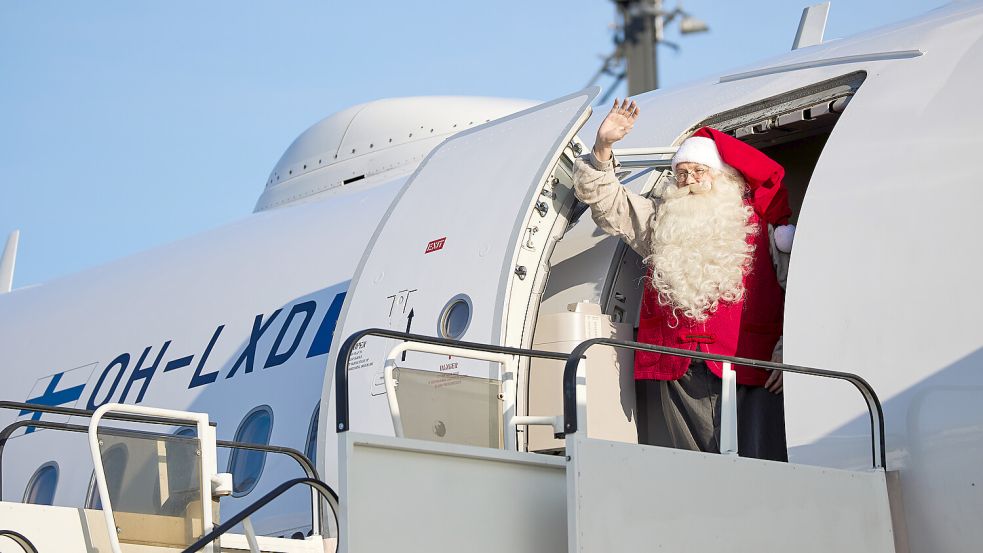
(636, 42)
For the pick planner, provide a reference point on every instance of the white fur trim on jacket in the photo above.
(784, 235)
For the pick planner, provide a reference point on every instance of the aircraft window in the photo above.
(310, 450)
(455, 317)
(246, 466)
(186, 432)
(114, 465)
(41, 488)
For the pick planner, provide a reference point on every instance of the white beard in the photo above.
(699, 247)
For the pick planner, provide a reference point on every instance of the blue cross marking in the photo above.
(52, 398)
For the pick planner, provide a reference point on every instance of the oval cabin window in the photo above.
(114, 465)
(310, 450)
(455, 317)
(246, 465)
(41, 488)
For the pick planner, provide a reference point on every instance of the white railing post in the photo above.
(510, 372)
(247, 527)
(582, 397)
(728, 411)
(390, 381)
(206, 443)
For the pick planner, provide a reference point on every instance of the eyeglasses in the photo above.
(683, 176)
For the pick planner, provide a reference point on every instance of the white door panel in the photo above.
(458, 229)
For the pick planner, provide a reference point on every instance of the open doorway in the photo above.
(792, 128)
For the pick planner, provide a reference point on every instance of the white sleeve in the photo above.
(617, 210)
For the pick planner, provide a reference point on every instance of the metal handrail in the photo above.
(306, 464)
(344, 357)
(73, 412)
(20, 540)
(325, 490)
(8, 430)
(878, 442)
(572, 360)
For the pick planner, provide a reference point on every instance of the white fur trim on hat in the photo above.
(698, 149)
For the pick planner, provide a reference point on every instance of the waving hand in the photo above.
(618, 123)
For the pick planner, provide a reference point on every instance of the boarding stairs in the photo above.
(154, 503)
(404, 493)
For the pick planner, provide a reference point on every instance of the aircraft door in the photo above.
(463, 250)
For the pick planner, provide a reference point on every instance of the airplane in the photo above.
(454, 217)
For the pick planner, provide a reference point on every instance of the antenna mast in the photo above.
(636, 43)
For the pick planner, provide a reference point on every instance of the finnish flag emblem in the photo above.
(62, 389)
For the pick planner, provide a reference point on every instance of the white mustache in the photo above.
(680, 191)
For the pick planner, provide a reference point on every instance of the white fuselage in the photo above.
(881, 284)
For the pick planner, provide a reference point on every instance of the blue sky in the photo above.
(124, 125)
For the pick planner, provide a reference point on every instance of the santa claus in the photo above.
(716, 241)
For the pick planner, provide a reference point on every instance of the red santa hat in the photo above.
(764, 175)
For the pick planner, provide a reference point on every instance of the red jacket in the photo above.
(747, 328)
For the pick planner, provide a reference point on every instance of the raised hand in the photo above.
(618, 123)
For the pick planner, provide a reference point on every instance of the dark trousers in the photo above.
(685, 414)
